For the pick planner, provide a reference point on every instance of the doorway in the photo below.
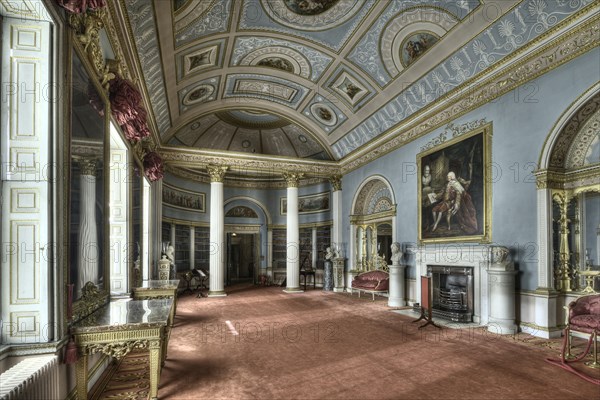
(242, 257)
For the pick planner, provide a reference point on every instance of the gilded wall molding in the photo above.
(568, 180)
(504, 79)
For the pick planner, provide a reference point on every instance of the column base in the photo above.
(339, 290)
(502, 326)
(396, 302)
(293, 290)
(217, 293)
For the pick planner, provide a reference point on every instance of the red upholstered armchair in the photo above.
(583, 318)
(371, 282)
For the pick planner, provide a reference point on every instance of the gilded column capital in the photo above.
(336, 182)
(217, 172)
(88, 165)
(292, 178)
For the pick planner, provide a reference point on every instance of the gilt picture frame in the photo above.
(314, 203)
(183, 199)
(454, 189)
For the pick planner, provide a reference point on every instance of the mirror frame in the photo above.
(566, 267)
(87, 304)
(364, 260)
(135, 163)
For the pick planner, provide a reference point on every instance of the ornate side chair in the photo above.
(583, 319)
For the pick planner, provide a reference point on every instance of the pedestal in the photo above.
(397, 285)
(328, 276)
(338, 274)
(501, 280)
(164, 269)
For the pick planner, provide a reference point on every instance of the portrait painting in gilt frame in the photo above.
(454, 190)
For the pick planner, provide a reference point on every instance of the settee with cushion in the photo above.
(371, 282)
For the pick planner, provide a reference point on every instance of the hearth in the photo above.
(452, 289)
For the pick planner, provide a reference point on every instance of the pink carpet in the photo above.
(261, 343)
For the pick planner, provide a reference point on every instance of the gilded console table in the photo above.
(119, 327)
(159, 289)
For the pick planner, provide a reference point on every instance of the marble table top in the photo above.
(160, 284)
(126, 314)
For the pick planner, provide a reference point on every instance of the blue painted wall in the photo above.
(522, 120)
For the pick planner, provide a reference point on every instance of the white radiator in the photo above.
(32, 379)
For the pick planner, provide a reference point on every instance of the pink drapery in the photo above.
(153, 166)
(125, 103)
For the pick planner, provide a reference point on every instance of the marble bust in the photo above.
(396, 253)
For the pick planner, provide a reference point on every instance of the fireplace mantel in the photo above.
(493, 279)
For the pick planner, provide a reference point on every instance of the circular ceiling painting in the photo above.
(311, 15)
(309, 7)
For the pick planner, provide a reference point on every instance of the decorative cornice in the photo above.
(292, 179)
(191, 158)
(550, 56)
(453, 131)
(216, 172)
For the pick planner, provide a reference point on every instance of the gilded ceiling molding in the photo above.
(216, 172)
(547, 58)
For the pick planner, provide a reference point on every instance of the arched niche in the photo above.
(568, 184)
(372, 224)
(246, 217)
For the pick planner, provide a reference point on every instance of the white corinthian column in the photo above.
(217, 229)
(88, 228)
(293, 234)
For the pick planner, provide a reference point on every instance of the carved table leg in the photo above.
(82, 376)
(155, 361)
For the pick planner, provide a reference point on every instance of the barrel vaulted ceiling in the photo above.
(316, 79)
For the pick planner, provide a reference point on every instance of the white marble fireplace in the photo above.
(493, 280)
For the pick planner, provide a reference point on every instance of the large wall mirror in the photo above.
(136, 247)
(373, 213)
(576, 229)
(87, 186)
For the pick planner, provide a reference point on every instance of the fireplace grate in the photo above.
(453, 299)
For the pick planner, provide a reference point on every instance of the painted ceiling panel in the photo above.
(247, 47)
(143, 29)
(523, 24)
(327, 22)
(211, 20)
(247, 141)
(219, 136)
(348, 66)
(275, 141)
